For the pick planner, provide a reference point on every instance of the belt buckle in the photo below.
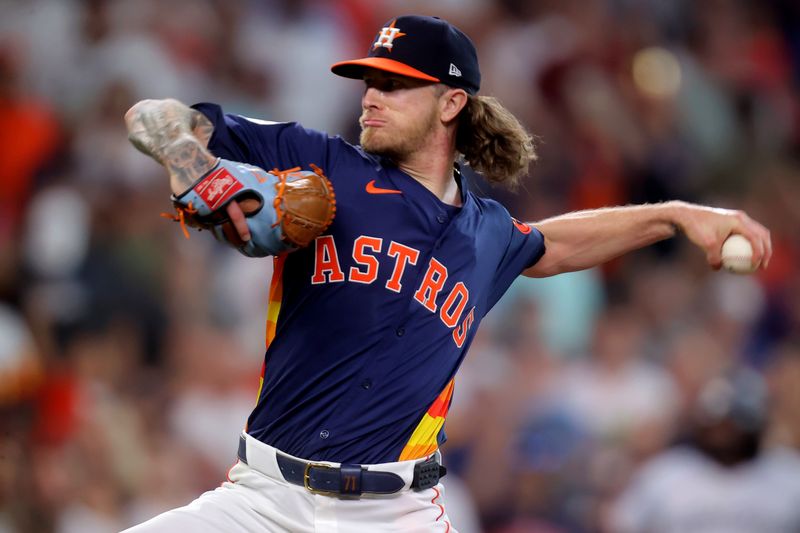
(307, 479)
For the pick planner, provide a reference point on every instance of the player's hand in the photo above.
(236, 213)
(708, 227)
(258, 212)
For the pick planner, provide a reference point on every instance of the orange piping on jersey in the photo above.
(424, 439)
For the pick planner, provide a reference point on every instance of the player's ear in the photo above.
(451, 102)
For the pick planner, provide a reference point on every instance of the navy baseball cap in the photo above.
(426, 48)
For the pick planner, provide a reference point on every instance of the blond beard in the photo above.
(398, 147)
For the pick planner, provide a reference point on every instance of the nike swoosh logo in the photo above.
(372, 189)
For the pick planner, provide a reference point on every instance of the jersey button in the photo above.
(324, 434)
(400, 332)
(366, 384)
(441, 219)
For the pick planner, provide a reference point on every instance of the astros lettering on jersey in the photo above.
(397, 266)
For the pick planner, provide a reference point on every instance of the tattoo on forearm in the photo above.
(186, 160)
(174, 135)
(202, 128)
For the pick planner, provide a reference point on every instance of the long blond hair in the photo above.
(494, 142)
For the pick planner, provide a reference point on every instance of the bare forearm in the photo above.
(584, 239)
(175, 135)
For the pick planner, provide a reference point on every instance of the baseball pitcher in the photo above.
(385, 264)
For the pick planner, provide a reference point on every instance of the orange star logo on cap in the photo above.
(387, 36)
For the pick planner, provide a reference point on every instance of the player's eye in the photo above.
(384, 85)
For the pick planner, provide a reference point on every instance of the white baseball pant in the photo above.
(256, 498)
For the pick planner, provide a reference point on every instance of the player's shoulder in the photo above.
(339, 150)
(498, 218)
(231, 117)
(489, 207)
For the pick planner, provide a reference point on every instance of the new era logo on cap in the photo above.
(425, 48)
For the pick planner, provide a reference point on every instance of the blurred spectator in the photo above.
(213, 390)
(617, 395)
(20, 362)
(29, 138)
(722, 478)
(784, 375)
(302, 27)
(549, 484)
(572, 303)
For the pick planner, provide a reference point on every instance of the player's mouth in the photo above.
(371, 122)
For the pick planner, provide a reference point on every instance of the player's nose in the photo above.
(372, 98)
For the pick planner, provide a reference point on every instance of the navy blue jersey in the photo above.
(367, 326)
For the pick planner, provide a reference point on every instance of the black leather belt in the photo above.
(350, 479)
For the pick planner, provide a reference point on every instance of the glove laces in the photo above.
(180, 216)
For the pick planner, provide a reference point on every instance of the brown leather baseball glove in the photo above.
(285, 209)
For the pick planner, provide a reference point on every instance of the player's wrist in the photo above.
(672, 213)
(187, 162)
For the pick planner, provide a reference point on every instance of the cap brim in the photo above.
(355, 68)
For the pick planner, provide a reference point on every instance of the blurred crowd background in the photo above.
(129, 356)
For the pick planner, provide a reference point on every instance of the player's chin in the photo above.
(374, 141)
(368, 136)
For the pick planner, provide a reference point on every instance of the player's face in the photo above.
(398, 114)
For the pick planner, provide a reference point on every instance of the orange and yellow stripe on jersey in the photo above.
(424, 439)
(273, 309)
(275, 297)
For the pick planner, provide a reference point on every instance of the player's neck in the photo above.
(443, 184)
(433, 168)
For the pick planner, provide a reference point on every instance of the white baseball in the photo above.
(737, 255)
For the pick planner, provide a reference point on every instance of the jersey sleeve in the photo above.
(524, 247)
(266, 144)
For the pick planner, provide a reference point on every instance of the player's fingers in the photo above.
(714, 258)
(757, 243)
(713, 251)
(249, 205)
(769, 249)
(758, 247)
(238, 220)
(757, 235)
(231, 235)
(768, 242)
(763, 250)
